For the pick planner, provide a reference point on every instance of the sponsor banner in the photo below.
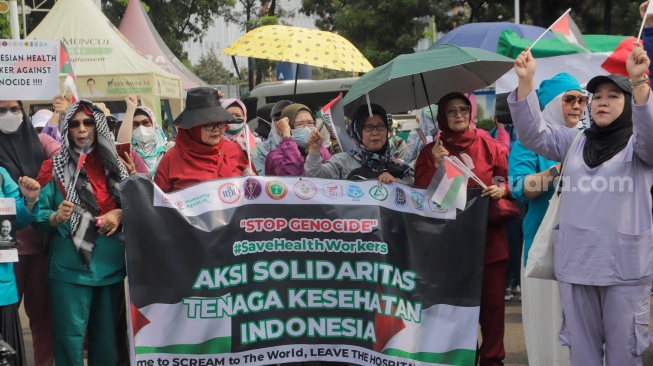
(109, 87)
(29, 70)
(260, 271)
(208, 196)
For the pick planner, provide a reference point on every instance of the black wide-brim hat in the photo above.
(202, 106)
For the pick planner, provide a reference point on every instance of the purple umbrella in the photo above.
(486, 35)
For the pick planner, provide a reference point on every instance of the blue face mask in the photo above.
(301, 136)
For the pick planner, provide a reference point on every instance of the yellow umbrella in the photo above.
(300, 45)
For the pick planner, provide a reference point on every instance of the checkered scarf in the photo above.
(82, 221)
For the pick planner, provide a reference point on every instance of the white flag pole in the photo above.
(649, 10)
(548, 29)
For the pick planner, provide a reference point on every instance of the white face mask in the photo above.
(144, 134)
(10, 122)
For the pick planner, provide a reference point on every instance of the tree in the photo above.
(381, 29)
(210, 69)
(176, 21)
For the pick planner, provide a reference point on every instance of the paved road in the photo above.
(514, 338)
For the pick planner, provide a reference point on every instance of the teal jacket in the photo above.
(107, 263)
(8, 289)
(523, 162)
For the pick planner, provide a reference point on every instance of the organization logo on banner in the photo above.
(180, 205)
(355, 192)
(436, 208)
(305, 189)
(379, 193)
(418, 200)
(332, 190)
(229, 193)
(400, 197)
(276, 190)
(252, 189)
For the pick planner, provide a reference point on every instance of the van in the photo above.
(313, 93)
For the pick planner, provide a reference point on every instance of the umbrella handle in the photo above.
(426, 93)
(294, 92)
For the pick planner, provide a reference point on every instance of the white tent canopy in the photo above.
(98, 51)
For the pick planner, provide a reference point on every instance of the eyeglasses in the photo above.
(144, 122)
(571, 99)
(463, 110)
(302, 124)
(210, 127)
(370, 128)
(14, 109)
(73, 124)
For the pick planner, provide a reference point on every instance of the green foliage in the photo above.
(485, 124)
(380, 29)
(176, 21)
(210, 69)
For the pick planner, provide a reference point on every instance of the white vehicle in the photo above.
(313, 93)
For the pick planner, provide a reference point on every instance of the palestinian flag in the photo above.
(66, 67)
(608, 56)
(333, 115)
(205, 285)
(448, 188)
(567, 31)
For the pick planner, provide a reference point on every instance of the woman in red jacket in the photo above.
(200, 152)
(488, 161)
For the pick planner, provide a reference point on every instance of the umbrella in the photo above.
(413, 80)
(486, 35)
(302, 46)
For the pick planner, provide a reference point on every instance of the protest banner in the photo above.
(267, 270)
(29, 70)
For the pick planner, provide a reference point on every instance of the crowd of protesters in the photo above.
(71, 269)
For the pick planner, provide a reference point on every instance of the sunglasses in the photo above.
(210, 127)
(571, 99)
(14, 109)
(73, 124)
(463, 110)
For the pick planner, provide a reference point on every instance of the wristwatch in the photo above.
(554, 171)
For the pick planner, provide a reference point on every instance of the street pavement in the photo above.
(514, 338)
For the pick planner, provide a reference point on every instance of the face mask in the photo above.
(10, 122)
(144, 134)
(234, 128)
(301, 136)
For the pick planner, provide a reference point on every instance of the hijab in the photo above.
(21, 152)
(455, 142)
(603, 143)
(550, 96)
(151, 151)
(88, 203)
(377, 161)
(204, 160)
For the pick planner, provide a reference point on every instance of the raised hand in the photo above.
(29, 187)
(315, 141)
(638, 62)
(439, 152)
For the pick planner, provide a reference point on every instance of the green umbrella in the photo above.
(416, 80)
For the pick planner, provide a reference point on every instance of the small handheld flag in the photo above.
(567, 31)
(82, 158)
(66, 67)
(333, 114)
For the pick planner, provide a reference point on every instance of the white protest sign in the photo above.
(29, 70)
